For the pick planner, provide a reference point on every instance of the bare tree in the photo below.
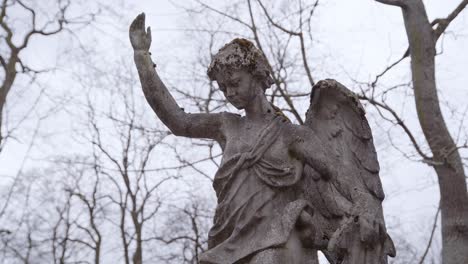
(290, 38)
(122, 156)
(21, 21)
(123, 145)
(285, 43)
(443, 154)
(113, 188)
(42, 223)
(88, 193)
(186, 232)
(13, 63)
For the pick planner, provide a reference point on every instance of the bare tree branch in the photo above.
(277, 83)
(400, 3)
(443, 23)
(400, 123)
(431, 237)
(298, 34)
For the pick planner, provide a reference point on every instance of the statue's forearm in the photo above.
(156, 92)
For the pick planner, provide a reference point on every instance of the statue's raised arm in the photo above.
(159, 98)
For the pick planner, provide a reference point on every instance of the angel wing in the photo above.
(348, 207)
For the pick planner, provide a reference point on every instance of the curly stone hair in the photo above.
(241, 54)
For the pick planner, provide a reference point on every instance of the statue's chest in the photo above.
(247, 140)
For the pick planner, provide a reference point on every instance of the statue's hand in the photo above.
(305, 226)
(362, 228)
(140, 39)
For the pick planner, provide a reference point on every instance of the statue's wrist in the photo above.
(142, 52)
(144, 57)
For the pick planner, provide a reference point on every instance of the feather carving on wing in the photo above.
(349, 205)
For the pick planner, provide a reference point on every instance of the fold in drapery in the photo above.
(255, 210)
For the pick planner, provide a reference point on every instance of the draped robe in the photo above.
(258, 205)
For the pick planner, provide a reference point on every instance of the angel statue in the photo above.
(284, 191)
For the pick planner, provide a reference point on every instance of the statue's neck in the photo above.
(259, 108)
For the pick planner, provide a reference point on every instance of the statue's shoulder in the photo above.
(294, 130)
(230, 117)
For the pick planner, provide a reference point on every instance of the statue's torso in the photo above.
(241, 134)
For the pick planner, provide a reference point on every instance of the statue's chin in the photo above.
(238, 107)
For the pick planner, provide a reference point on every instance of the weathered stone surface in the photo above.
(284, 191)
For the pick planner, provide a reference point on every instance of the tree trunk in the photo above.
(138, 254)
(447, 161)
(10, 76)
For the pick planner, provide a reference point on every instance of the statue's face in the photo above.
(239, 87)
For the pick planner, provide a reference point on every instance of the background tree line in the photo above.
(120, 187)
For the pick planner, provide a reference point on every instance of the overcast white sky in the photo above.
(356, 38)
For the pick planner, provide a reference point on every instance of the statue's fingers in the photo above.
(139, 22)
(148, 34)
(134, 24)
(142, 21)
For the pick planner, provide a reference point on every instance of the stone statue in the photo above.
(284, 191)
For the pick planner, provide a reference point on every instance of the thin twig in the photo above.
(434, 227)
